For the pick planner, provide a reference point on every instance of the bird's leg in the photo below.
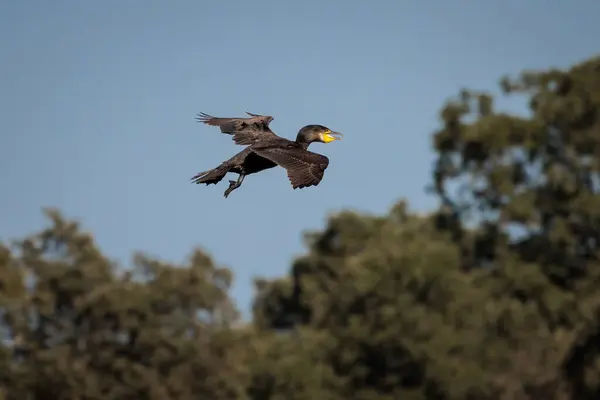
(234, 185)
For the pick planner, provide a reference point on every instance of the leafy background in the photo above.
(492, 296)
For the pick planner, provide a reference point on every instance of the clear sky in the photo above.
(99, 98)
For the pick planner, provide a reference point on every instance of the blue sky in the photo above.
(99, 98)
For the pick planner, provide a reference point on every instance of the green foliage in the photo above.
(494, 296)
(407, 322)
(537, 174)
(79, 330)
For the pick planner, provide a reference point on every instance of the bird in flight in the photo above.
(266, 150)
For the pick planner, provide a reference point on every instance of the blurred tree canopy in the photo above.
(74, 328)
(494, 296)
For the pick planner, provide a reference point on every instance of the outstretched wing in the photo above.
(304, 168)
(245, 131)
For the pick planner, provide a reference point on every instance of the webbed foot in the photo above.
(234, 185)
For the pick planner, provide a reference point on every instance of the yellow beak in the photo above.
(330, 136)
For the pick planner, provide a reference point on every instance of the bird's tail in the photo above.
(213, 176)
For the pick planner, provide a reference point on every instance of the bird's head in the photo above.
(317, 133)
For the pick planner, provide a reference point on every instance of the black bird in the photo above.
(266, 150)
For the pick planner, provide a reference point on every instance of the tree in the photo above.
(537, 176)
(455, 305)
(494, 296)
(76, 328)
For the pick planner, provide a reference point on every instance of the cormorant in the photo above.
(266, 150)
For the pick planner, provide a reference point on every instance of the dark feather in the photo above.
(245, 131)
(304, 168)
